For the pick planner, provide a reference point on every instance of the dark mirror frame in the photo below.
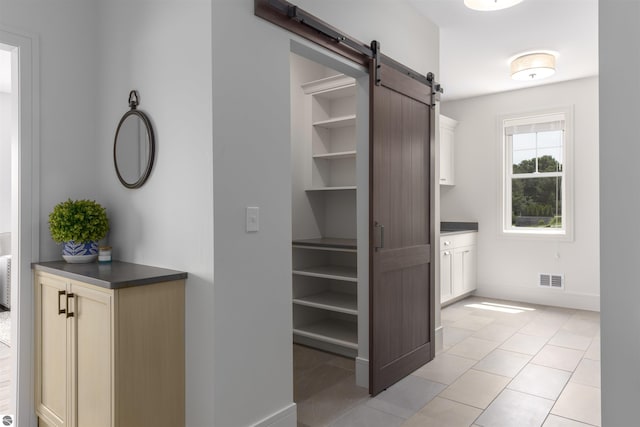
(133, 104)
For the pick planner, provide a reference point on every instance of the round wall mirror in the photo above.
(134, 146)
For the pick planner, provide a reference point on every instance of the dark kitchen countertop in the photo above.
(457, 227)
(113, 275)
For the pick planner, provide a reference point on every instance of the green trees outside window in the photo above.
(536, 201)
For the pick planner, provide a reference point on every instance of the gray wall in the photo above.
(163, 50)
(199, 85)
(252, 167)
(619, 201)
(508, 267)
(68, 100)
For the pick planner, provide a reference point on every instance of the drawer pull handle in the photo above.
(447, 243)
(60, 309)
(69, 313)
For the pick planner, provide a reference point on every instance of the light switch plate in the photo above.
(253, 217)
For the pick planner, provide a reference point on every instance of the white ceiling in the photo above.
(475, 47)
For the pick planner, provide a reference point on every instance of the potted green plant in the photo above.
(79, 224)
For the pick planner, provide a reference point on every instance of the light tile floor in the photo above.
(538, 366)
(5, 361)
(5, 378)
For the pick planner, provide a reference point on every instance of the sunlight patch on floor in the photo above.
(503, 308)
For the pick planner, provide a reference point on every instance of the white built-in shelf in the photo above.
(332, 331)
(333, 301)
(325, 274)
(335, 272)
(337, 122)
(327, 244)
(338, 155)
(338, 86)
(346, 187)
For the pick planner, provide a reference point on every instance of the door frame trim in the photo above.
(26, 219)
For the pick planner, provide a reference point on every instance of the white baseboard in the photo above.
(552, 297)
(286, 417)
(439, 339)
(362, 372)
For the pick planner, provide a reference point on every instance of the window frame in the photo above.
(505, 228)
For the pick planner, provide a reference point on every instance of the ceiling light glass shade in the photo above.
(489, 5)
(534, 66)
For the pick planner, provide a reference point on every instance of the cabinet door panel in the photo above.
(52, 362)
(92, 336)
(468, 269)
(457, 272)
(446, 155)
(446, 277)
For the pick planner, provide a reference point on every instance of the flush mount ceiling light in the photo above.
(533, 66)
(489, 5)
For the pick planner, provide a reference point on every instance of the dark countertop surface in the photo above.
(113, 275)
(457, 227)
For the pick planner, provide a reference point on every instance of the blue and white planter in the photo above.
(73, 252)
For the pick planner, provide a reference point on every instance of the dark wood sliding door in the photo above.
(401, 292)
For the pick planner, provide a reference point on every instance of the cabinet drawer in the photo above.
(450, 241)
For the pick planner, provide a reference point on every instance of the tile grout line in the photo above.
(546, 342)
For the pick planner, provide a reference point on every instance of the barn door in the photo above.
(402, 276)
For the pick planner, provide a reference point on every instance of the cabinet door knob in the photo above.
(69, 313)
(60, 309)
(447, 243)
(446, 253)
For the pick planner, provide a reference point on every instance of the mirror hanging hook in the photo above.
(133, 99)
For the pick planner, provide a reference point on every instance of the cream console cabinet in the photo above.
(109, 345)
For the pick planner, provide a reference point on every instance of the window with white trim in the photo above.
(536, 174)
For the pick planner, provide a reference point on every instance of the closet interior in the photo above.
(327, 260)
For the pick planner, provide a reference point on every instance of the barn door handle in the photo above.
(69, 313)
(60, 309)
(381, 227)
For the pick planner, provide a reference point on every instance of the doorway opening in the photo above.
(22, 123)
(8, 132)
(330, 220)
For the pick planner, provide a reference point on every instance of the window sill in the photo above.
(533, 234)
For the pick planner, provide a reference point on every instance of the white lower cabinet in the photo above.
(458, 266)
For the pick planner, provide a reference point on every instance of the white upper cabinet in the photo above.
(447, 143)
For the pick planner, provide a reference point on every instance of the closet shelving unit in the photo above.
(333, 124)
(325, 301)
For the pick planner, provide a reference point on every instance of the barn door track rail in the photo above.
(301, 22)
